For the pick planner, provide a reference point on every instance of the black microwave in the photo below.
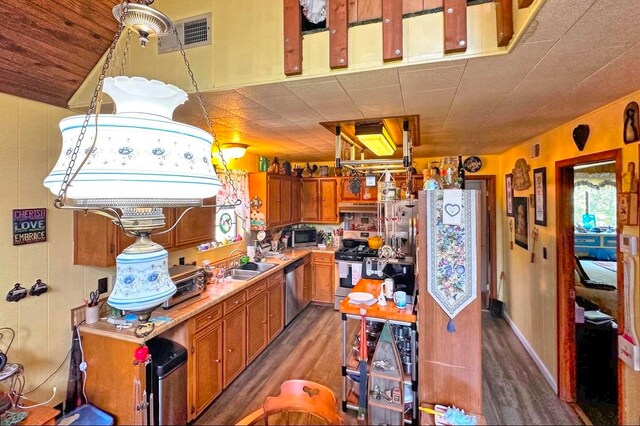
(303, 237)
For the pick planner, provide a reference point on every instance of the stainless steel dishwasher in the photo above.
(294, 293)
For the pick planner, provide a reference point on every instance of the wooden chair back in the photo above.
(306, 399)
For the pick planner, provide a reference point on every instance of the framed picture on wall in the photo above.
(521, 219)
(540, 195)
(508, 184)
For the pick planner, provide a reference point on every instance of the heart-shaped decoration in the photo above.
(312, 392)
(580, 135)
(452, 209)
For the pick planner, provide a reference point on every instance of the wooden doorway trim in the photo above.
(565, 268)
(491, 211)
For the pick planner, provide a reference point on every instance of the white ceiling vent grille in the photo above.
(194, 32)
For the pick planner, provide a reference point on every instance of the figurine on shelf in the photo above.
(274, 167)
(286, 167)
(311, 170)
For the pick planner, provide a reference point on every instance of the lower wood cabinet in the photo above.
(307, 288)
(275, 293)
(235, 340)
(257, 324)
(207, 363)
(323, 277)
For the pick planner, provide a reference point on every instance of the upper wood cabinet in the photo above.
(320, 200)
(310, 200)
(366, 194)
(97, 241)
(276, 193)
(296, 200)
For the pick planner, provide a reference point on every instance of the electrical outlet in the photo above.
(103, 285)
(181, 261)
(544, 252)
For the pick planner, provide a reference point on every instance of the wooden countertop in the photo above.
(215, 293)
(389, 312)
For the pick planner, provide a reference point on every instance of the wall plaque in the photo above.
(29, 226)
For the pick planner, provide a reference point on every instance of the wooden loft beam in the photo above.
(391, 30)
(292, 37)
(455, 26)
(338, 34)
(504, 21)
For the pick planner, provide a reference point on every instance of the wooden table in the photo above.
(396, 316)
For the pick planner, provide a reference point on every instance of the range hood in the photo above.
(358, 207)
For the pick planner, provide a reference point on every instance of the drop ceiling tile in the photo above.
(433, 65)
(431, 103)
(376, 95)
(337, 111)
(274, 123)
(229, 99)
(314, 92)
(554, 19)
(386, 109)
(259, 113)
(430, 79)
(510, 67)
(369, 80)
(265, 92)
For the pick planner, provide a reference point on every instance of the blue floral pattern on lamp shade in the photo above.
(452, 254)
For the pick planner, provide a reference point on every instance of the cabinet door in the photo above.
(197, 226)
(235, 338)
(307, 290)
(276, 309)
(94, 240)
(328, 200)
(273, 201)
(207, 355)
(257, 325)
(323, 283)
(285, 201)
(165, 240)
(296, 196)
(369, 193)
(310, 204)
(345, 191)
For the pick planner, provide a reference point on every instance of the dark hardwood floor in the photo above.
(514, 390)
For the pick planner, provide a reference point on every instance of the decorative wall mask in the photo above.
(521, 180)
(580, 135)
(630, 130)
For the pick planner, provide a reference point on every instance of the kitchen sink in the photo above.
(257, 266)
(240, 274)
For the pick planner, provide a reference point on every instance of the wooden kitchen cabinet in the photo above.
(277, 195)
(366, 194)
(320, 200)
(323, 279)
(310, 200)
(207, 355)
(307, 289)
(97, 241)
(296, 197)
(235, 341)
(275, 292)
(257, 324)
(329, 200)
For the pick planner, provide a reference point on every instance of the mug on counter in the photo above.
(400, 299)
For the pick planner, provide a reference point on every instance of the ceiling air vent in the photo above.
(194, 32)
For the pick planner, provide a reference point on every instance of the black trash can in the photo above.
(167, 382)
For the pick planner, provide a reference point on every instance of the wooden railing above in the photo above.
(341, 13)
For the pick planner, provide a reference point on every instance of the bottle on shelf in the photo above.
(460, 173)
(449, 172)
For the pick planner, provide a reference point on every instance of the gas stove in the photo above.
(358, 253)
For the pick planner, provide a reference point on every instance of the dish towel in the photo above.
(356, 273)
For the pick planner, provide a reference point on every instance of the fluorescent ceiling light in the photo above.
(376, 138)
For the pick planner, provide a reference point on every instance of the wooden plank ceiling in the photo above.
(50, 46)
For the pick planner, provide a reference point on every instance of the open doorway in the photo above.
(487, 187)
(589, 283)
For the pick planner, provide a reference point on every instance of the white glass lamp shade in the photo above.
(229, 151)
(142, 278)
(141, 156)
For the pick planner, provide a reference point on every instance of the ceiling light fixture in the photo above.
(231, 151)
(376, 138)
(130, 164)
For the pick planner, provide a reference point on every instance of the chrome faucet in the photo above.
(228, 262)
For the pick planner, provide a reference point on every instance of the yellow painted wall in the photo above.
(530, 289)
(248, 45)
(29, 147)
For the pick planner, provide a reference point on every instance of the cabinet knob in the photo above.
(217, 361)
(209, 317)
(264, 322)
(229, 350)
(271, 315)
